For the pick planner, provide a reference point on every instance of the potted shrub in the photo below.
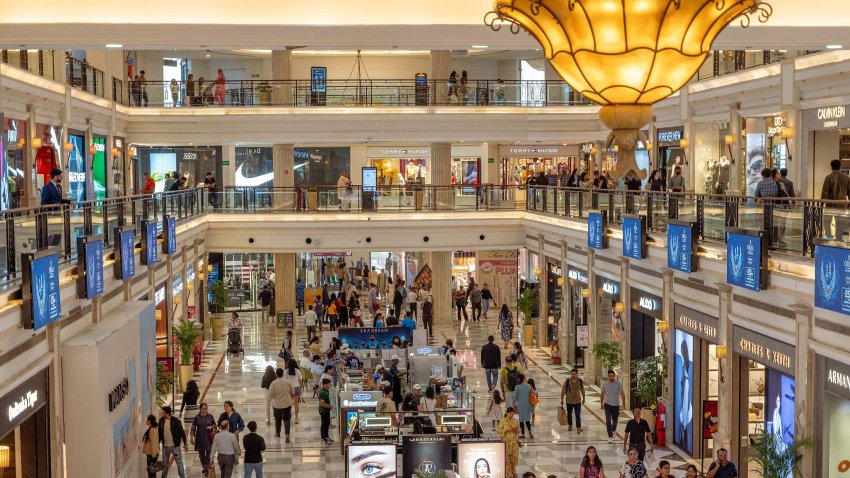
(609, 355)
(648, 377)
(187, 334)
(525, 305)
(164, 385)
(264, 91)
(217, 306)
(775, 458)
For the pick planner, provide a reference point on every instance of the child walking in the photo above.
(494, 409)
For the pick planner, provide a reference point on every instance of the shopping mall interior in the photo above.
(307, 225)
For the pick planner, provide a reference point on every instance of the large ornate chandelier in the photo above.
(625, 54)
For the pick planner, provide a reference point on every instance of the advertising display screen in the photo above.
(99, 167)
(755, 161)
(374, 338)
(680, 247)
(128, 255)
(683, 418)
(779, 401)
(161, 163)
(169, 244)
(426, 454)
(77, 168)
(151, 255)
(369, 178)
(318, 79)
(476, 459)
(5, 197)
(634, 237)
(44, 287)
(744, 260)
(596, 231)
(254, 166)
(94, 268)
(832, 278)
(371, 461)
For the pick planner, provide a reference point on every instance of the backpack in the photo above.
(512, 378)
(567, 385)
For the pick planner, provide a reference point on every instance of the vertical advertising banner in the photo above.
(744, 260)
(755, 161)
(169, 243)
(498, 269)
(680, 247)
(77, 168)
(481, 459)
(44, 290)
(683, 425)
(596, 237)
(710, 419)
(426, 455)
(149, 244)
(832, 278)
(634, 237)
(779, 398)
(93, 256)
(5, 196)
(127, 251)
(99, 167)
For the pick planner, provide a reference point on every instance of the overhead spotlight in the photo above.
(309, 240)
(426, 239)
(250, 240)
(368, 239)
(481, 237)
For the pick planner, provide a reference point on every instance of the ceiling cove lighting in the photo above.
(625, 55)
(114, 45)
(834, 47)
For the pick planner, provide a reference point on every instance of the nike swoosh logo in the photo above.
(241, 180)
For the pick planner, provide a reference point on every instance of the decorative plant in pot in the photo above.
(609, 355)
(217, 307)
(648, 377)
(164, 384)
(187, 334)
(776, 458)
(264, 91)
(525, 304)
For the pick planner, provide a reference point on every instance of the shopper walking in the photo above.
(460, 303)
(300, 288)
(428, 316)
(522, 396)
(310, 320)
(189, 404)
(494, 407)
(171, 435)
(509, 431)
(268, 377)
(175, 93)
(475, 298)
(722, 467)
(325, 410)
(486, 297)
(398, 298)
(573, 395)
(225, 449)
(150, 444)
(190, 90)
(519, 356)
(637, 435)
(633, 468)
(509, 377)
(506, 324)
(265, 298)
(201, 435)
(413, 303)
(491, 360)
(254, 446)
(591, 465)
(143, 88)
(282, 397)
(611, 396)
(220, 82)
(294, 377)
(234, 418)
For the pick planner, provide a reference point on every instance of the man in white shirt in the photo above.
(310, 320)
(226, 445)
(281, 396)
(412, 301)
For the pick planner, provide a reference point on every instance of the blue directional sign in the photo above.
(596, 225)
(680, 246)
(169, 243)
(832, 278)
(44, 290)
(744, 259)
(634, 237)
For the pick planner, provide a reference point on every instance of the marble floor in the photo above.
(553, 451)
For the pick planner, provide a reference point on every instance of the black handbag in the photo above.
(156, 466)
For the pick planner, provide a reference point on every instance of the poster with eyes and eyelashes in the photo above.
(371, 461)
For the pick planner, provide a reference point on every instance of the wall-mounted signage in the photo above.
(832, 278)
(555, 269)
(89, 267)
(318, 79)
(169, 243)
(125, 253)
(634, 237)
(577, 275)
(746, 259)
(827, 117)
(397, 152)
(649, 304)
(672, 135)
(22, 402)
(582, 336)
(764, 350)
(361, 399)
(40, 289)
(695, 322)
(681, 247)
(531, 151)
(118, 394)
(610, 288)
(149, 252)
(597, 225)
(837, 378)
(775, 125)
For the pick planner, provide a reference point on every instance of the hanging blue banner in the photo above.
(681, 250)
(150, 255)
(89, 267)
(125, 255)
(634, 237)
(596, 226)
(43, 294)
(745, 259)
(832, 278)
(169, 239)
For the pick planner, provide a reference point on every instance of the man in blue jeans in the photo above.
(612, 396)
(171, 434)
(254, 446)
(491, 360)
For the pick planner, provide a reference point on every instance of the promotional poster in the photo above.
(680, 247)
(254, 166)
(99, 167)
(374, 338)
(743, 263)
(46, 306)
(94, 269)
(832, 279)
(481, 459)
(170, 242)
(372, 461)
(426, 455)
(634, 237)
(147, 356)
(755, 161)
(128, 257)
(779, 401)
(498, 269)
(595, 231)
(151, 255)
(683, 382)
(77, 169)
(122, 448)
(710, 419)
(5, 197)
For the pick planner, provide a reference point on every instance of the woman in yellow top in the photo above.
(509, 430)
(332, 318)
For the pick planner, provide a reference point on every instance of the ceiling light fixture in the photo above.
(834, 47)
(625, 55)
(114, 45)
(480, 47)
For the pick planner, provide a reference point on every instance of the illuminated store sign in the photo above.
(577, 275)
(695, 322)
(828, 117)
(764, 350)
(20, 404)
(837, 376)
(555, 270)
(670, 136)
(399, 153)
(649, 304)
(360, 399)
(776, 128)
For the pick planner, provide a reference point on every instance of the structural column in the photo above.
(593, 307)
(725, 406)
(543, 295)
(283, 158)
(804, 375)
(442, 284)
(441, 174)
(565, 328)
(626, 333)
(284, 281)
(440, 66)
(282, 87)
(57, 420)
(29, 196)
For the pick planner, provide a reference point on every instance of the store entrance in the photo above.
(644, 343)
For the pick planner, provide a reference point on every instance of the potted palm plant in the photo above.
(776, 458)
(264, 91)
(186, 333)
(609, 355)
(164, 384)
(217, 307)
(648, 377)
(525, 304)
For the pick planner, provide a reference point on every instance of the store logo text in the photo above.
(27, 401)
(689, 323)
(773, 356)
(837, 378)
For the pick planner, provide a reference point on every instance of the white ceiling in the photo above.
(343, 24)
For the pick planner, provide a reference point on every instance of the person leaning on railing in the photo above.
(51, 193)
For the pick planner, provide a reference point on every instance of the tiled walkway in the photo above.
(553, 451)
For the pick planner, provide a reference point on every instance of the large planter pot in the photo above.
(217, 327)
(184, 373)
(527, 335)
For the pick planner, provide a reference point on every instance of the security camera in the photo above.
(250, 240)
(309, 240)
(368, 239)
(481, 237)
(426, 238)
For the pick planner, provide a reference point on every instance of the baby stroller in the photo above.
(234, 342)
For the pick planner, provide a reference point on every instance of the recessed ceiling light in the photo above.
(208, 56)
(834, 47)
(479, 46)
(114, 45)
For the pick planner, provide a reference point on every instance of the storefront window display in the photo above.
(765, 146)
(518, 162)
(12, 144)
(646, 340)
(610, 320)
(47, 156)
(254, 166)
(118, 166)
(163, 321)
(711, 159)
(245, 274)
(191, 163)
(25, 429)
(77, 168)
(833, 417)
(828, 132)
(579, 307)
(99, 167)
(670, 152)
(463, 267)
(320, 166)
(399, 166)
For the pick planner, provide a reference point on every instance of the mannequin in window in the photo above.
(710, 180)
(410, 171)
(723, 168)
